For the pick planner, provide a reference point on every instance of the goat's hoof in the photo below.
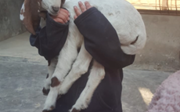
(75, 110)
(52, 107)
(45, 91)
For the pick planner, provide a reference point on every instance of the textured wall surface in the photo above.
(10, 24)
(163, 44)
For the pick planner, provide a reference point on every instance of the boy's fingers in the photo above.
(63, 15)
(82, 7)
(77, 11)
(64, 10)
(87, 4)
(75, 17)
(59, 20)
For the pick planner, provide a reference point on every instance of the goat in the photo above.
(121, 14)
(167, 95)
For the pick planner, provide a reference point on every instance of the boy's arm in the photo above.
(50, 39)
(101, 40)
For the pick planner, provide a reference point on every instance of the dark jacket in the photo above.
(101, 41)
(50, 39)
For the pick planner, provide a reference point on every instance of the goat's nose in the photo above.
(55, 9)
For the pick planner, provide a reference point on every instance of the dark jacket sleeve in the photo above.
(50, 39)
(101, 40)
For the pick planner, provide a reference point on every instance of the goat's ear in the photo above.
(62, 2)
(29, 14)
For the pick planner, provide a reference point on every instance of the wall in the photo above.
(163, 32)
(10, 24)
(163, 44)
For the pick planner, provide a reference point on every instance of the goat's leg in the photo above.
(66, 57)
(47, 82)
(96, 75)
(80, 66)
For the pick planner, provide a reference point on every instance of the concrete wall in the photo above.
(10, 24)
(163, 44)
(163, 32)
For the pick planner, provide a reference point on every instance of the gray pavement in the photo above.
(22, 72)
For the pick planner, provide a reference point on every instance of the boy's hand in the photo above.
(62, 16)
(82, 7)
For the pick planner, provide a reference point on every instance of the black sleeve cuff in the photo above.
(50, 40)
(53, 38)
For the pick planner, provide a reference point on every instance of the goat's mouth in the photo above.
(53, 13)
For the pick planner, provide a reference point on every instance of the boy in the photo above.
(99, 37)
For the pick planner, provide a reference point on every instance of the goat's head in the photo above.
(52, 6)
(31, 12)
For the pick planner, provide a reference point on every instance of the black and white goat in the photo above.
(122, 15)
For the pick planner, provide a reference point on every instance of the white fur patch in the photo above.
(51, 98)
(21, 12)
(23, 8)
(22, 17)
(96, 75)
(80, 66)
(51, 69)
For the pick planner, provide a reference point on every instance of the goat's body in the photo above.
(167, 96)
(132, 35)
(123, 17)
(128, 25)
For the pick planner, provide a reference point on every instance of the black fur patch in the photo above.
(54, 82)
(45, 91)
(47, 76)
